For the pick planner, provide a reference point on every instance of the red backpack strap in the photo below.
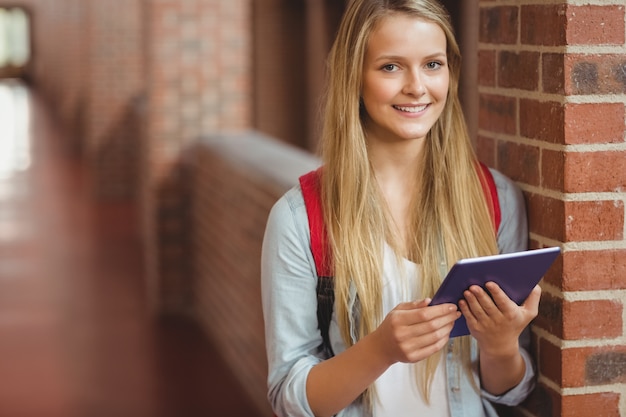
(310, 184)
(311, 191)
(491, 192)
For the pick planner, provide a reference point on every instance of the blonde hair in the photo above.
(451, 214)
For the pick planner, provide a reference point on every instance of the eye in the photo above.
(390, 68)
(433, 65)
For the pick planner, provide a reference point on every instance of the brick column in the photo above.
(199, 82)
(552, 88)
(322, 22)
(113, 95)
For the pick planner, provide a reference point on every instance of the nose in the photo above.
(413, 84)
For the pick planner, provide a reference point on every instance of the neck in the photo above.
(397, 170)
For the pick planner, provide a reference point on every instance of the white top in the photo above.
(397, 391)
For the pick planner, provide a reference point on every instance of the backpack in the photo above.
(310, 185)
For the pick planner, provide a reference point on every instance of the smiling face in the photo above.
(405, 78)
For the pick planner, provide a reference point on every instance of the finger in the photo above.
(439, 309)
(424, 303)
(438, 328)
(485, 300)
(474, 304)
(470, 319)
(422, 352)
(499, 297)
(430, 320)
(409, 314)
(411, 305)
(532, 302)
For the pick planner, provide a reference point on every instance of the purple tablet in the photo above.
(516, 273)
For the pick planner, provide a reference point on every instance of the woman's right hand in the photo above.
(413, 331)
(410, 332)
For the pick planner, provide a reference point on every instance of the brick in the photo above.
(605, 404)
(595, 74)
(550, 361)
(497, 114)
(519, 162)
(518, 70)
(606, 368)
(589, 366)
(486, 150)
(594, 270)
(543, 25)
(553, 169)
(573, 374)
(592, 319)
(595, 25)
(487, 68)
(553, 73)
(583, 77)
(550, 318)
(542, 120)
(594, 123)
(546, 216)
(499, 24)
(545, 402)
(594, 221)
(587, 171)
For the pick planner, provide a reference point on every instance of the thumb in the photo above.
(532, 302)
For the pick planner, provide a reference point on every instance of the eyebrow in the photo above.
(400, 57)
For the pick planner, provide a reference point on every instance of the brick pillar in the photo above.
(280, 70)
(199, 82)
(114, 94)
(322, 22)
(552, 88)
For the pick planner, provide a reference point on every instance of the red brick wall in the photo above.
(551, 116)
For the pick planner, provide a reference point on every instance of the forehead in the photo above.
(403, 34)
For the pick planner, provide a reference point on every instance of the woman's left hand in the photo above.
(496, 321)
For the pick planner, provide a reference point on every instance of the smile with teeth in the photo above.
(411, 109)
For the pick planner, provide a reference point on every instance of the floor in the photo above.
(76, 339)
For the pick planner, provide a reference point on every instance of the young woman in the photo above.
(402, 201)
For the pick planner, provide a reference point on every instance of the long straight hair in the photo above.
(451, 217)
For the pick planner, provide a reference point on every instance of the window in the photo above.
(14, 38)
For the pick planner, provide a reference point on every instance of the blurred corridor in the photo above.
(76, 336)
